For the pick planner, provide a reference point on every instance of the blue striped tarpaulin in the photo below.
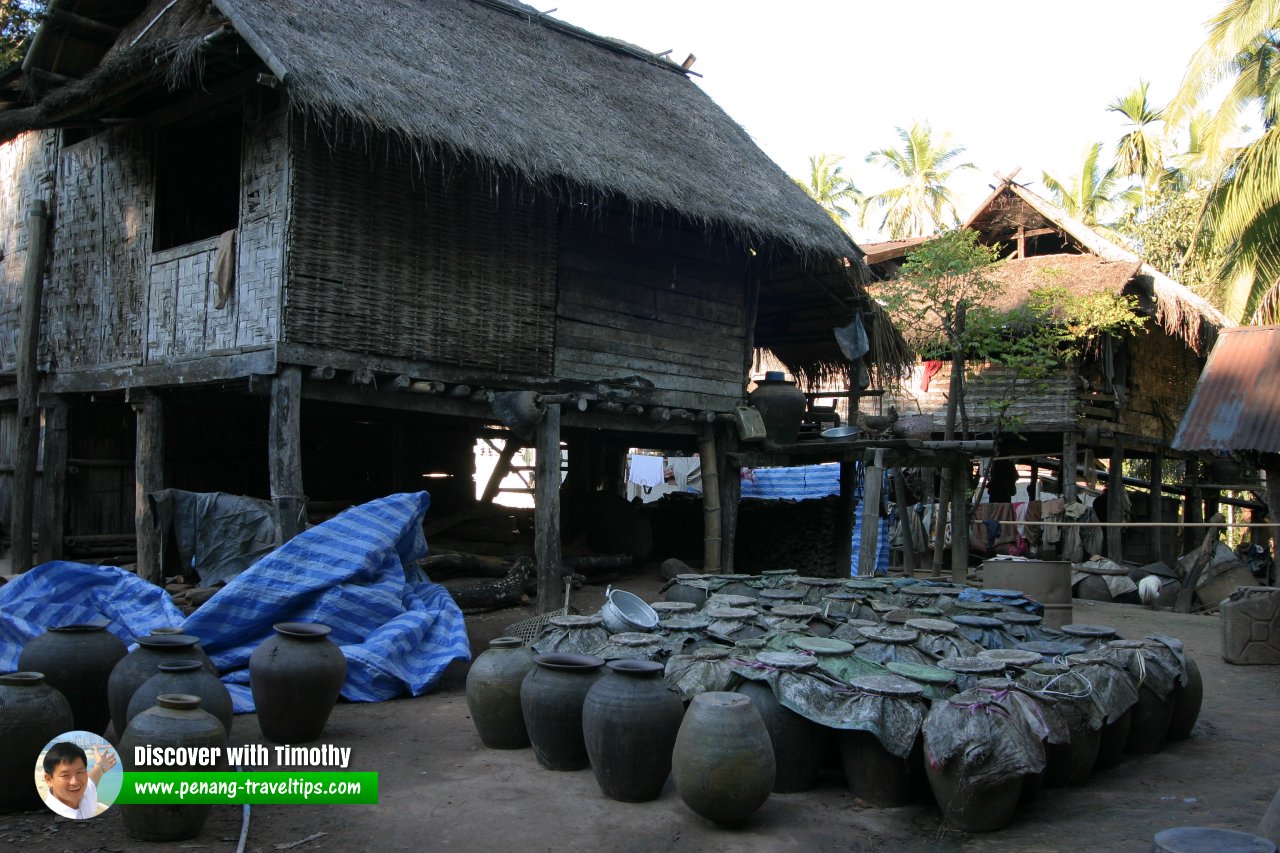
(398, 633)
(805, 482)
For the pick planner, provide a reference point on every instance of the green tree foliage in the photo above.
(1091, 194)
(1242, 211)
(921, 204)
(18, 20)
(1172, 237)
(831, 188)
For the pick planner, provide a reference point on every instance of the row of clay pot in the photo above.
(295, 676)
(626, 724)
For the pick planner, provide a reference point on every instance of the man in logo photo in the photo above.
(73, 787)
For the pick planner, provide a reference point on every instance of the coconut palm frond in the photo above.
(924, 164)
(1233, 30)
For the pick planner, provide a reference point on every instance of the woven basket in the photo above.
(915, 426)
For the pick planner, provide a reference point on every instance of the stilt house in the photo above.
(301, 250)
(1123, 399)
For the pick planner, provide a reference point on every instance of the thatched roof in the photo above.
(508, 88)
(1179, 311)
(1081, 275)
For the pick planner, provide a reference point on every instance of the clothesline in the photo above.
(1137, 523)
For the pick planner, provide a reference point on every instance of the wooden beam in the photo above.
(148, 476)
(24, 474)
(500, 470)
(1070, 463)
(842, 530)
(284, 451)
(959, 524)
(1155, 508)
(53, 482)
(546, 509)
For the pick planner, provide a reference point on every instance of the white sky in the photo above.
(1017, 83)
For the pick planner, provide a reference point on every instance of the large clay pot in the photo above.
(683, 590)
(1150, 726)
(175, 721)
(973, 809)
(723, 761)
(781, 406)
(77, 661)
(798, 744)
(295, 677)
(1112, 738)
(878, 776)
(187, 677)
(31, 714)
(493, 693)
(133, 670)
(630, 720)
(1187, 699)
(552, 696)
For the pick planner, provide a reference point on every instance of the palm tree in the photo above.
(1242, 210)
(922, 204)
(1138, 153)
(829, 187)
(1091, 193)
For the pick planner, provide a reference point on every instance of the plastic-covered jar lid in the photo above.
(634, 639)
(728, 599)
(787, 660)
(796, 611)
(822, 645)
(891, 635)
(1096, 632)
(1012, 657)
(972, 665)
(921, 672)
(972, 620)
(1051, 648)
(684, 623)
(894, 686)
(932, 626)
(1018, 617)
(711, 653)
(728, 612)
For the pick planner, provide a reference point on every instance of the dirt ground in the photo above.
(440, 788)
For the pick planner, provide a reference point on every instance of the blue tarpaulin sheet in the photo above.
(354, 573)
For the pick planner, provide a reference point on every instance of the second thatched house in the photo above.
(1123, 399)
(313, 249)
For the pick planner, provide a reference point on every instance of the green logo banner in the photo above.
(200, 788)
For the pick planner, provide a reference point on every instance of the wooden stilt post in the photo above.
(908, 539)
(546, 509)
(1115, 500)
(148, 465)
(28, 382)
(285, 453)
(870, 539)
(730, 494)
(712, 533)
(53, 482)
(500, 470)
(1070, 461)
(1033, 487)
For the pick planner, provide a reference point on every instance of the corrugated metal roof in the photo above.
(1236, 405)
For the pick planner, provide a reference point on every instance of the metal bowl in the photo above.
(840, 433)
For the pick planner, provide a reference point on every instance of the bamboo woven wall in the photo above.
(657, 302)
(110, 300)
(1043, 406)
(26, 174)
(435, 268)
(1162, 377)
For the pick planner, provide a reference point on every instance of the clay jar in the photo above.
(723, 762)
(493, 693)
(552, 696)
(781, 406)
(874, 773)
(77, 661)
(295, 677)
(630, 719)
(133, 670)
(187, 677)
(31, 714)
(798, 744)
(175, 721)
